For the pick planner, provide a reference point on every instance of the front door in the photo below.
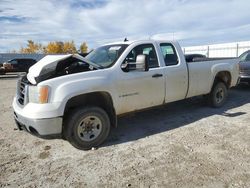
(141, 89)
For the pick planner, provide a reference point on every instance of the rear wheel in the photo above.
(87, 127)
(218, 95)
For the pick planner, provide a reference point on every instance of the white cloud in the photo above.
(97, 22)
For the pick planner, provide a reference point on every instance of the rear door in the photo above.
(176, 73)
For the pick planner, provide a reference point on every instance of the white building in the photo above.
(233, 49)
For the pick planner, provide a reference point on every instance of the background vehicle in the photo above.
(17, 65)
(80, 98)
(245, 67)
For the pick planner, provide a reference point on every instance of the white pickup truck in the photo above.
(80, 98)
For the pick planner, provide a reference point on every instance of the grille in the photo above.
(245, 72)
(22, 88)
(21, 92)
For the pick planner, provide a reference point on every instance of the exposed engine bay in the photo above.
(70, 64)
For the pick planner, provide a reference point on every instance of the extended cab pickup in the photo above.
(80, 98)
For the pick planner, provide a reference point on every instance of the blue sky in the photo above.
(192, 22)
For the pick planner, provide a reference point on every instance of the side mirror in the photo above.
(141, 64)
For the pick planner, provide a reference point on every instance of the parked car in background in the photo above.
(1, 69)
(245, 67)
(17, 65)
(194, 57)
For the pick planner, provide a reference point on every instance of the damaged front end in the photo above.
(52, 66)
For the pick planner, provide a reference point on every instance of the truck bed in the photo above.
(210, 59)
(200, 72)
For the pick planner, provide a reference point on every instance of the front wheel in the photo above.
(218, 95)
(87, 127)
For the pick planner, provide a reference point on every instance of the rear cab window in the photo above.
(169, 54)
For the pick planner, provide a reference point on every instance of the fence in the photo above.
(219, 50)
(215, 50)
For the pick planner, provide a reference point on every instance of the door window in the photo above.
(169, 54)
(13, 62)
(144, 49)
(248, 57)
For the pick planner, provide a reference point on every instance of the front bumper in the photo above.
(41, 127)
(44, 128)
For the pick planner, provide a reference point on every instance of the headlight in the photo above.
(39, 94)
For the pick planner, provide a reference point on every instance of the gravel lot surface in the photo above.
(183, 144)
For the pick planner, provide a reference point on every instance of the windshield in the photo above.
(245, 56)
(106, 56)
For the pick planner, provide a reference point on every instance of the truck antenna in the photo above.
(125, 40)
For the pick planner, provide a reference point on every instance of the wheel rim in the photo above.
(219, 95)
(89, 128)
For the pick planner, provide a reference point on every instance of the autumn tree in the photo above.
(32, 47)
(69, 47)
(54, 48)
(84, 48)
(60, 47)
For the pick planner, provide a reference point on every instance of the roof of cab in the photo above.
(132, 41)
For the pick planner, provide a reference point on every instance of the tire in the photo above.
(87, 127)
(218, 95)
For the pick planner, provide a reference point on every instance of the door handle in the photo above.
(157, 75)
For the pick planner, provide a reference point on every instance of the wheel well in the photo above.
(99, 99)
(225, 77)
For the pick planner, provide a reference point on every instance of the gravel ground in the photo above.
(183, 144)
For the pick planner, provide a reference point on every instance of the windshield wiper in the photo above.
(95, 65)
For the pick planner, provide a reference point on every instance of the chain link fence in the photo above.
(219, 50)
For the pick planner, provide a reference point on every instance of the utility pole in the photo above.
(237, 50)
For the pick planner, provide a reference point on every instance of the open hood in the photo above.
(54, 65)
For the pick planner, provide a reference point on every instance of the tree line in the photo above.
(56, 47)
